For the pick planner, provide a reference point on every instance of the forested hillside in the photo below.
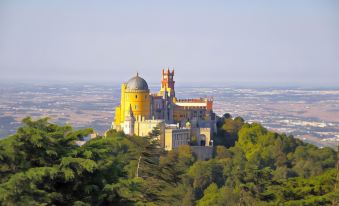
(42, 165)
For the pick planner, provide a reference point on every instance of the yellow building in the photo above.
(140, 111)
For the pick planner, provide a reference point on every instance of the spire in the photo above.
(137, 74)
(130, 110)
(130, 113)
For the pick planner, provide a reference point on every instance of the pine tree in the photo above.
(148, 165)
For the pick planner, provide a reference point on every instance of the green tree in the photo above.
(42, 165)
(227, 130)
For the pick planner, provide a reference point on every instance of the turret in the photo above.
(129, 122)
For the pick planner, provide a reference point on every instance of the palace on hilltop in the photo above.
(181, 121)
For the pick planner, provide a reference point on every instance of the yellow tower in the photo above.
(135, 95)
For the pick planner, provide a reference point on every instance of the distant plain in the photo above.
(309, 114)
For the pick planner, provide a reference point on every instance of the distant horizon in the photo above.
(254, 85)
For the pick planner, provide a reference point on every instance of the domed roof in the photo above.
(137, 83)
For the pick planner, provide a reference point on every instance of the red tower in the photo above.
(167, 82)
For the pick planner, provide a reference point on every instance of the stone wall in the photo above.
(202, 153)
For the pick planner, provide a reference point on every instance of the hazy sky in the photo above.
(263, 42)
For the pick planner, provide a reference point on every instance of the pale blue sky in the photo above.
(269, 42)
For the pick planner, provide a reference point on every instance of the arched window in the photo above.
(136, 96)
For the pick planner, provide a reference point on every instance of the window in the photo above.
(135, 106)
(136, 96)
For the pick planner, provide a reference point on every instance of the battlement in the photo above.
(197, 100)
(205, 129)
(167, 72)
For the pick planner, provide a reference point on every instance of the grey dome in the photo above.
(137, 83)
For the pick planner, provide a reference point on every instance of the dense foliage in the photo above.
(42, 165)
